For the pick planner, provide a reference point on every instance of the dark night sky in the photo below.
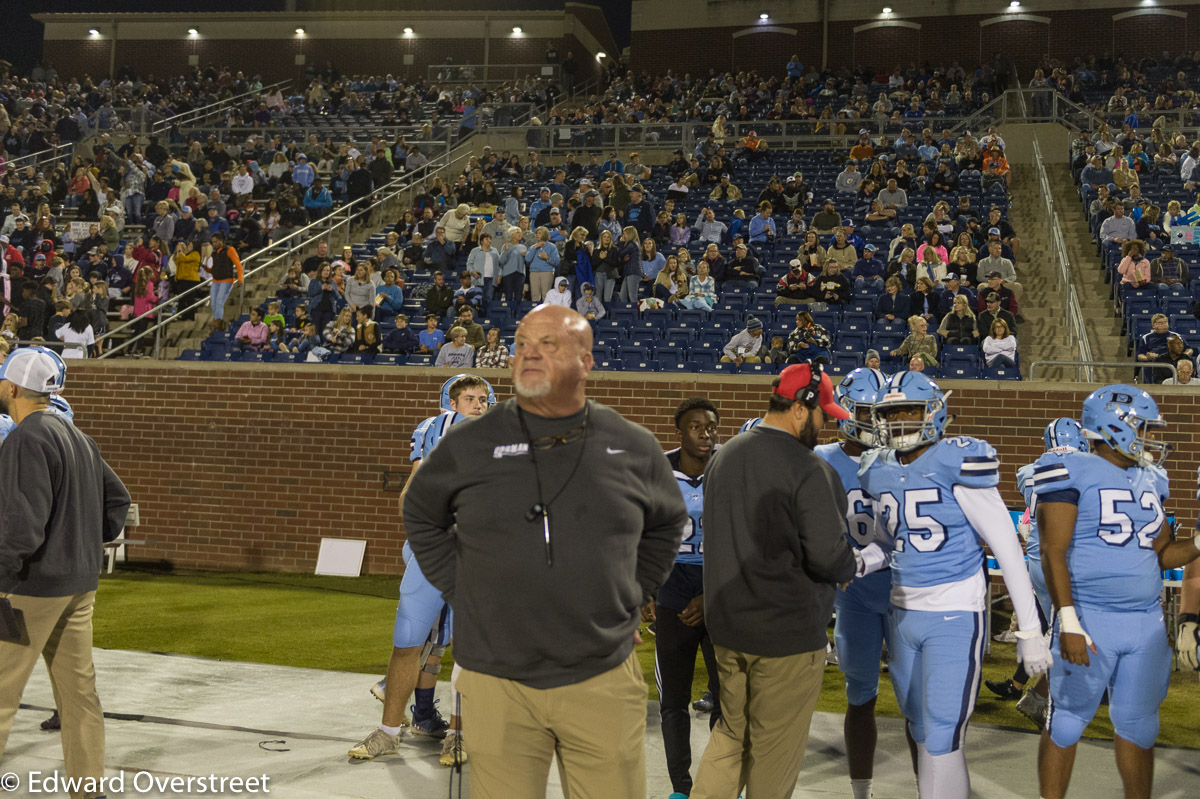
(22, 39)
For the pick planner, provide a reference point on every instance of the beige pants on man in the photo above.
(766, 708)
(596, 728)
(60, 630)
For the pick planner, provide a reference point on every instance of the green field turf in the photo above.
(345, 624)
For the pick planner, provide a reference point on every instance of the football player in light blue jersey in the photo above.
(938, 498)
(678, 608)
(1187, 636)
(1062, 436)
(60, 406)
(7, 425)
(1104, 544)
(423, 619)
(861, 619)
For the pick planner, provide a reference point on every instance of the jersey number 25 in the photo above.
(923, 533)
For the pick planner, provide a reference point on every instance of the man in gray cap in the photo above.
(61, 503)
(747, 345)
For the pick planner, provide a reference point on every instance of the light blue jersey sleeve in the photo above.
(972, 461)
(1023, 484)
(417, 445)
(437, 429)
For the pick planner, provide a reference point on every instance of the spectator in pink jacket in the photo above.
(1134, 268)
(253, 334)
(145, 297)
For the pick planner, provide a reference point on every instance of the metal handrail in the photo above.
(406, 182)
(212, 108)
(1077, 338)
(47, 156)
(1089, 364)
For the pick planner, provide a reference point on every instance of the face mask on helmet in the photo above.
(856, 393)
(909, 390)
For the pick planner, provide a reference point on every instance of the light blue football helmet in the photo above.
(446, 391)
(1065, 433)
(7, 425)
(750, 424)
(857, 392)
(906, 389)
(61, 407)
(1122, 416)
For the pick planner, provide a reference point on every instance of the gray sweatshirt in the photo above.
(774, 544)
(59, 503)
(616, 521)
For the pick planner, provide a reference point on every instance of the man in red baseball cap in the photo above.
(774, 552)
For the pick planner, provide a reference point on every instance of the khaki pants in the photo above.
(60, 630)
(766, 709)
(745, 359)
(540, 284)
(596, 728)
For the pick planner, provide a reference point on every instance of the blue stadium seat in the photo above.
(1001, 373)
(669, 358)
(758, 368)
(704, 359)
(961, 370)
(189, 355)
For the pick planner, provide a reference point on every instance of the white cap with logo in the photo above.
(36, 369)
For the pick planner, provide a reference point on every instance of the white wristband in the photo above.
(1027, 634)
(1068, 622)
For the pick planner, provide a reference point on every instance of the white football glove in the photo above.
(1034, 651)
(1186, 640)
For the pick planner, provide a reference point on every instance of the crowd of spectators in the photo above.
(603, 234)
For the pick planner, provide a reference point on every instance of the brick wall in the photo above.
(942, 39)
(247, 467)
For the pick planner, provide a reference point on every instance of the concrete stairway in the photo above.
(1100, 317)
(1044, 331)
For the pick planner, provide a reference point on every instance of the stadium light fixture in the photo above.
(193, 32)
(408, 31)
(887, 9)
(601, 54)
(517, 30)
(93, 32)
(1015, 4)
(299, 31)
(764, 16)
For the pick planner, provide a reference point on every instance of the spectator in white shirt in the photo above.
(561, 294)
(1186, 372)
(1000, 347)
(242, 184)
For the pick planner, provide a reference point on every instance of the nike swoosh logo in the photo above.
(612, 451)
(950, 618)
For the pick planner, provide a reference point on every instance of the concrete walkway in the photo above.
(183, 716)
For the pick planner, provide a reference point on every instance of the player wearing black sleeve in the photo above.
(679, 607)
